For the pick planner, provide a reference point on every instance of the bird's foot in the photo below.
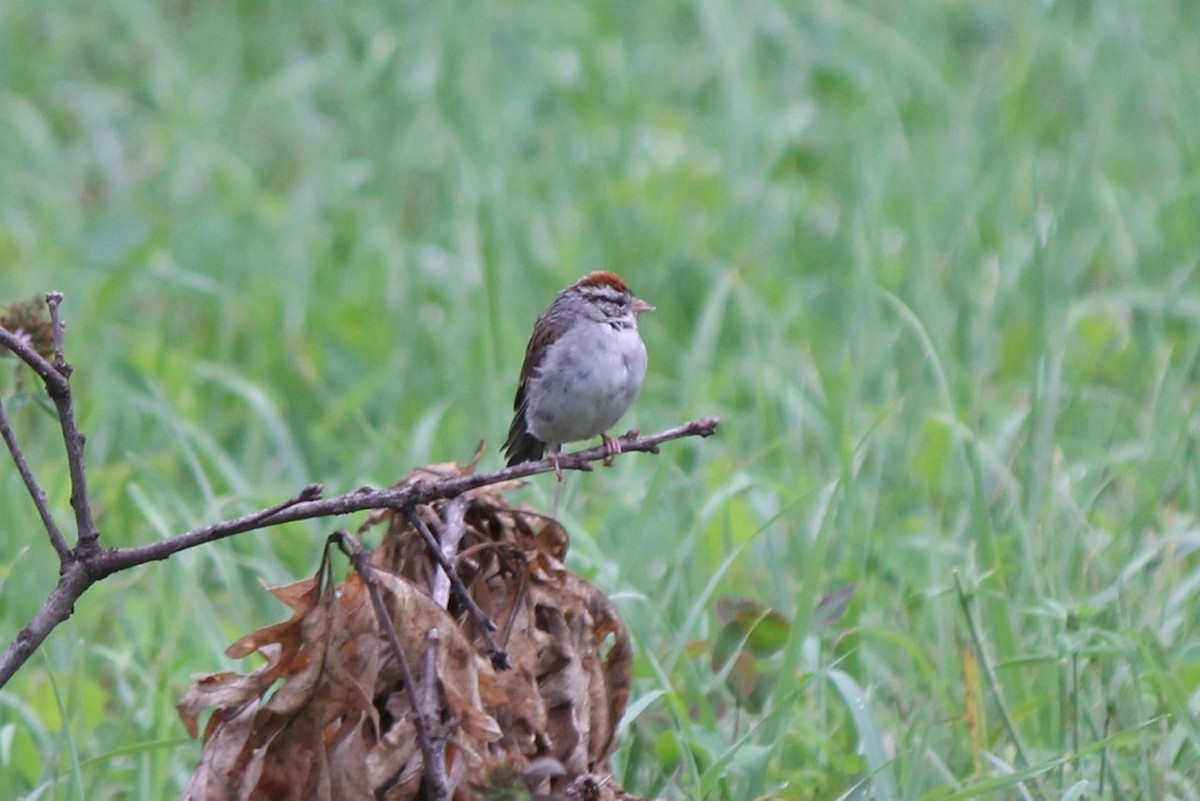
(612, 446)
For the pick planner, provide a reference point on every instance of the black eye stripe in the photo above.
(605, 294)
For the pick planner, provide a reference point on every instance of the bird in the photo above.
(583, 367)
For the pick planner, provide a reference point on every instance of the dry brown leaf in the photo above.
(328, 714)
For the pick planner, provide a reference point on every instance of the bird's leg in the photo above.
(612, 446)
(558, 483)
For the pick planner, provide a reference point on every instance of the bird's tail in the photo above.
(521, 446)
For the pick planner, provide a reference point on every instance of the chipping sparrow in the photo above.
(583, 367)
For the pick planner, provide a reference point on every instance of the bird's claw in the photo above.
(612, 447)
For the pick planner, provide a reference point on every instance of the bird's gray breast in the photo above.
(588, 378)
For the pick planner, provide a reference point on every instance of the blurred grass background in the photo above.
(934, 263)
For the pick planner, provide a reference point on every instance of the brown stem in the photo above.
(35, 490)
(403, 495)
(87, 536)
(424, 712)
(486, 626)
(53, 300)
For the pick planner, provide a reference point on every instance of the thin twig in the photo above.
(451, 535)
(78, 572)
(486, 625)
(403, 495)
(35, 489)
(56, 377)
(310, 493)
(437, 787)
(26, 353)
(447, 569)
(73, 581)
(87, 536)
(53, 299)
(429, 690)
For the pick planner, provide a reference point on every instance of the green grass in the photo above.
(934, 264)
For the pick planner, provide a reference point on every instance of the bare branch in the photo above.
(486, 626)
(53, 299)
(72, 583)
(299, 507)
(26, 353)
(453, 529)
(427, 709)
(56, 377)
(87, 536)
(424, 716)
(403, 495)
(35, 489)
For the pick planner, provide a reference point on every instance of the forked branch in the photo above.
(86, 562)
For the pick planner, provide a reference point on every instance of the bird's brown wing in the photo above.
(521, 445)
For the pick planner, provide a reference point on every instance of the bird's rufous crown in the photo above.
(603, 278)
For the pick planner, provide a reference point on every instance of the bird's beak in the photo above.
(640, 306)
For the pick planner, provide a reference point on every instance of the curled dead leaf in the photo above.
(328, 714)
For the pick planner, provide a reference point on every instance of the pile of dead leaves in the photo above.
(329, 716)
